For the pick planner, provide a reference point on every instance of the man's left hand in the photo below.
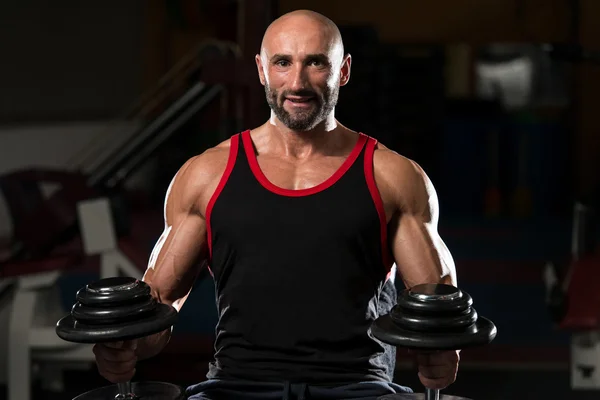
(437, 370)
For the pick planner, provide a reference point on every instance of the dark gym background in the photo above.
(509, 150)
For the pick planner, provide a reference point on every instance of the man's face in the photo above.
(302, 67)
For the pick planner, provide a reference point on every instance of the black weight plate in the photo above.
(142, 390)
(431, 323)
(112, 315)
(417, 396)
(458, 304)
(435, 291)
(480, 333)
(108, 291)
(72, 331)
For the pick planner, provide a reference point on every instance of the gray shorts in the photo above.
(221, 389)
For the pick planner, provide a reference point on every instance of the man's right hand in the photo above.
(116, 361)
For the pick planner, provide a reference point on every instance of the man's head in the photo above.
(302, 66)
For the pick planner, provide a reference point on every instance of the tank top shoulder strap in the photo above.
(353, 161)
(234, 146)
(371, 144)
(246, 145)
(369, 170)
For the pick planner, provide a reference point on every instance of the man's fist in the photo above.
(116, 361)
(437, 369)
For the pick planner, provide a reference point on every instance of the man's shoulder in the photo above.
(203, 168)
(400, 177)
(390, 163)
(212, 159)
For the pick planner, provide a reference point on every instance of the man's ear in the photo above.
(345, 70)
(261, 72)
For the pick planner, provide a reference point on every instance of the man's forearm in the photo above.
(149, 346)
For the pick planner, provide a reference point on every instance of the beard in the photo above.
(302, 120)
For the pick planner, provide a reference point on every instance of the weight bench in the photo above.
(33, 348)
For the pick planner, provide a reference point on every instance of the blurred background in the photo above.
(496, 99)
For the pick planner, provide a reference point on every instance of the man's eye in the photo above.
(282, 63)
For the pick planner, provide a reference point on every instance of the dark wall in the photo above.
(68, 59)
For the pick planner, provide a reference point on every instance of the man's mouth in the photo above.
(299, 99)
(300, 102)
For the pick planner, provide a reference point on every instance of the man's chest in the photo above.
(293, 175)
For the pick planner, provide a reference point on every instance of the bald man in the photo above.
(300, 221)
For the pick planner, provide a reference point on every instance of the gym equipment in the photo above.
(433, 317)
(418, 396)
(102, 167)
(119, 309)
(573, 300)
(32, 266)
(144, 391)
(29, 320)
(572, 296)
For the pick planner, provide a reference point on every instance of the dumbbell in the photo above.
(433, 317)
(119, 309)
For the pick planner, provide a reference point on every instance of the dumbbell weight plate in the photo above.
(434, 299)
(480, 333)
(417, 396)
(109, 291)
(425, 323)
(163, 317)
(143, 391)
(112, 315)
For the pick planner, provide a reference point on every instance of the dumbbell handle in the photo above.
(432, 394)
(125, 392)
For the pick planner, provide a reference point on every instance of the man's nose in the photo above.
(298, 78)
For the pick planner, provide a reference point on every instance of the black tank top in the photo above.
(297, 273)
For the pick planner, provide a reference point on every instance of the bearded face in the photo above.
(302, 110)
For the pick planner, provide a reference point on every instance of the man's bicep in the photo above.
(420, 253)
(182, 248)
(176, 260)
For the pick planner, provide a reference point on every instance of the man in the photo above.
(300, 221)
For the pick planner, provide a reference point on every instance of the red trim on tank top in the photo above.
(370, 176)
(233, 151)
(262, 179)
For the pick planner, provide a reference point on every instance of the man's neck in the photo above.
(302, 144)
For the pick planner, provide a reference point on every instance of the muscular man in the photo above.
(300, 221)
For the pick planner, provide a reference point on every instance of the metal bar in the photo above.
(107, 166)
(432, 394)
(150, 99)
(135, 159)
(125, 392)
